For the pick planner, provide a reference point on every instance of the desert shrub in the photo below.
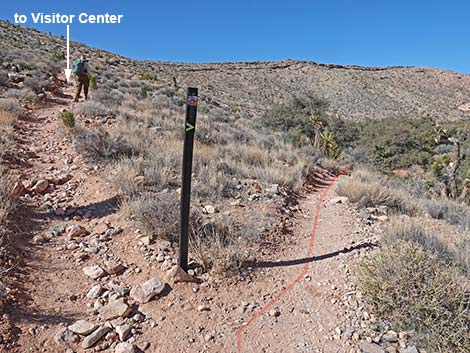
(3, 78)
(391, 143)
(91, 109)
(93, 83)
(68, 119)
(148, 76)
(100, 145)
(212, 184)
(462, 253)
(451, 211)
(6, 200)
(143, 91)
(158, 215)
(218, 245)
(36, 84)
(7, 119)
(416, 291)
(25, 95)
(367, 190)
(11, 105)
(412, 232)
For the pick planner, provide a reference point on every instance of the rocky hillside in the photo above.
(352, 92)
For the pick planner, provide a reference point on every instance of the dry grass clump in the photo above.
(158, 215)
(91, 109)
(219, 245)
(462, 253)
(368, 190)
(11, 106)
(7, 120)
(416, 291)
(101, 145)
(451, 211)
(412, 232)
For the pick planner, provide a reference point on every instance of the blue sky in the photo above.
(362, 32)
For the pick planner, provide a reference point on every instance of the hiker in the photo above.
(81, 71)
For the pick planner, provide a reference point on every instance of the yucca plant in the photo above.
(68, 119)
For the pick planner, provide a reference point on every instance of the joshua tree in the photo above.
(452, 168)
(328, 144)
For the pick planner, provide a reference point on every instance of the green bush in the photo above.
(143, 91)
(416, 291)
(68, 119)
(148, 76)
(93, 83)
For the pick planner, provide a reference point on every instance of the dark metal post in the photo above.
(190, 125)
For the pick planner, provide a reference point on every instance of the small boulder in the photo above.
(113, 267)
(76, 231)
(82, 327)
(125, 347)
(90, 340)
(115, 309)
(209, 209)
(94, 271)
(177, 275)
(40, 186)
(123, 332)
(145, 292)
(367, 347)
(65, 336)
(94, 292)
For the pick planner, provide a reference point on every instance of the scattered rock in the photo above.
(125, 347)
(123, 332)
(273, 189)
(275, 312)
(115, 309)
(144, 346)
(163, 246)
(390, 336)
(367, 347)
(94, 271)
(340, 199)
(113, 267)
(94, 292)
(90, 340)
(145, 292)
(66, 336)
(177, 275)
(40, 186)
(209, 209)
(82, 327)
(77, 231)
(57, 230)
(38, 239)
(411, 349)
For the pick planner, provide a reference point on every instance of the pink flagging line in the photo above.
(299, 278)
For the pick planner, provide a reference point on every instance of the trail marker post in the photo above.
(190, 127)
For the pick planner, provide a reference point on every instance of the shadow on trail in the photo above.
(97, 210)
(272, 264)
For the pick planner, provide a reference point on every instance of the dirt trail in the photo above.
(190, 318)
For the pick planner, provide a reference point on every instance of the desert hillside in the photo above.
(352, 92)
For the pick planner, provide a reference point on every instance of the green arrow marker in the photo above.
(189, 127)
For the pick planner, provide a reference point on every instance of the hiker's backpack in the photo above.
(78, 67)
